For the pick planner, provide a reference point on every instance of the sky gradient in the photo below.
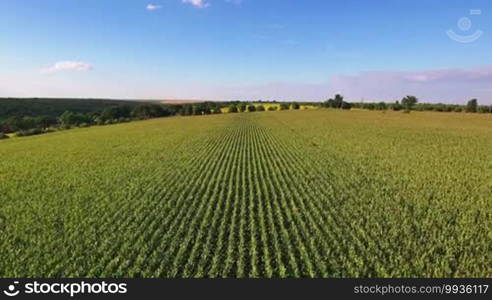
(439, 51)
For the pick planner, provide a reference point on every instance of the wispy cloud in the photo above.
(197, 3)
(446, 85)
(152, 7)
(68, 66)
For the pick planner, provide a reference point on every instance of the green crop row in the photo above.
(314, 193)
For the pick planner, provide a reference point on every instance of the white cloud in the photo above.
(73, 66)
(152, 7)
(197, 3)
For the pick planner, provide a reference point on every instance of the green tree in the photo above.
(116, 112)
(233, 109)
(251, 108)
(397, 106)
(409, 102)
(336, 102)
(45, 121)
(295, 105)
(381, 106)
(69, 118)
(146, 111)
(186, 110)
(472, 106)
(283, 106)
(346, 105)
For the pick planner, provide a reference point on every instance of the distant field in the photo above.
(311, 193)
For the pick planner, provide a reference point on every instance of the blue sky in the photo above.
(249, 49)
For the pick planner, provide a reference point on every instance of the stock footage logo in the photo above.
(11, 290)
(68, 288)
(465, 24)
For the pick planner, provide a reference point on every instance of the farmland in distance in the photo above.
(314, 193)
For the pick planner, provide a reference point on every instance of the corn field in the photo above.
(314, 193)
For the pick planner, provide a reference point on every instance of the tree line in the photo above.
(410, 103)
(33, 125)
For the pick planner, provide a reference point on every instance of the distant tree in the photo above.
(3, 136)
(472, 106)
(329, 103)
(346, 105)
(211, 107)
(197, 110)
(260, 108)
(233, 109)
(272, 108)
(484, 109)
(251, 108)
(381, 106)
(336, 102)
(69, 118)
(283, 106)
(397, 106)
(116, 112)
(45, 121)
(16, 123)
(409, 102)
(242, 107)
(146, 111)
(186, 110)
(295, 105)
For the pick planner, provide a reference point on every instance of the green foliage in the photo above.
(55, 107)
(242, 107)
(117, 112)
(113, 112)
(251, 108)
(69, 118)
(472, 106)
(295, 105)
(346, 105)
(397, 106)
(409, 102)
(260, 108)
(338, 103)
(184, 110)
(438, 107)
(147, 111)
(283, 106)
(381, 106)
(233, 109)
(321, 193)
(484, 109)
(28, 132)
